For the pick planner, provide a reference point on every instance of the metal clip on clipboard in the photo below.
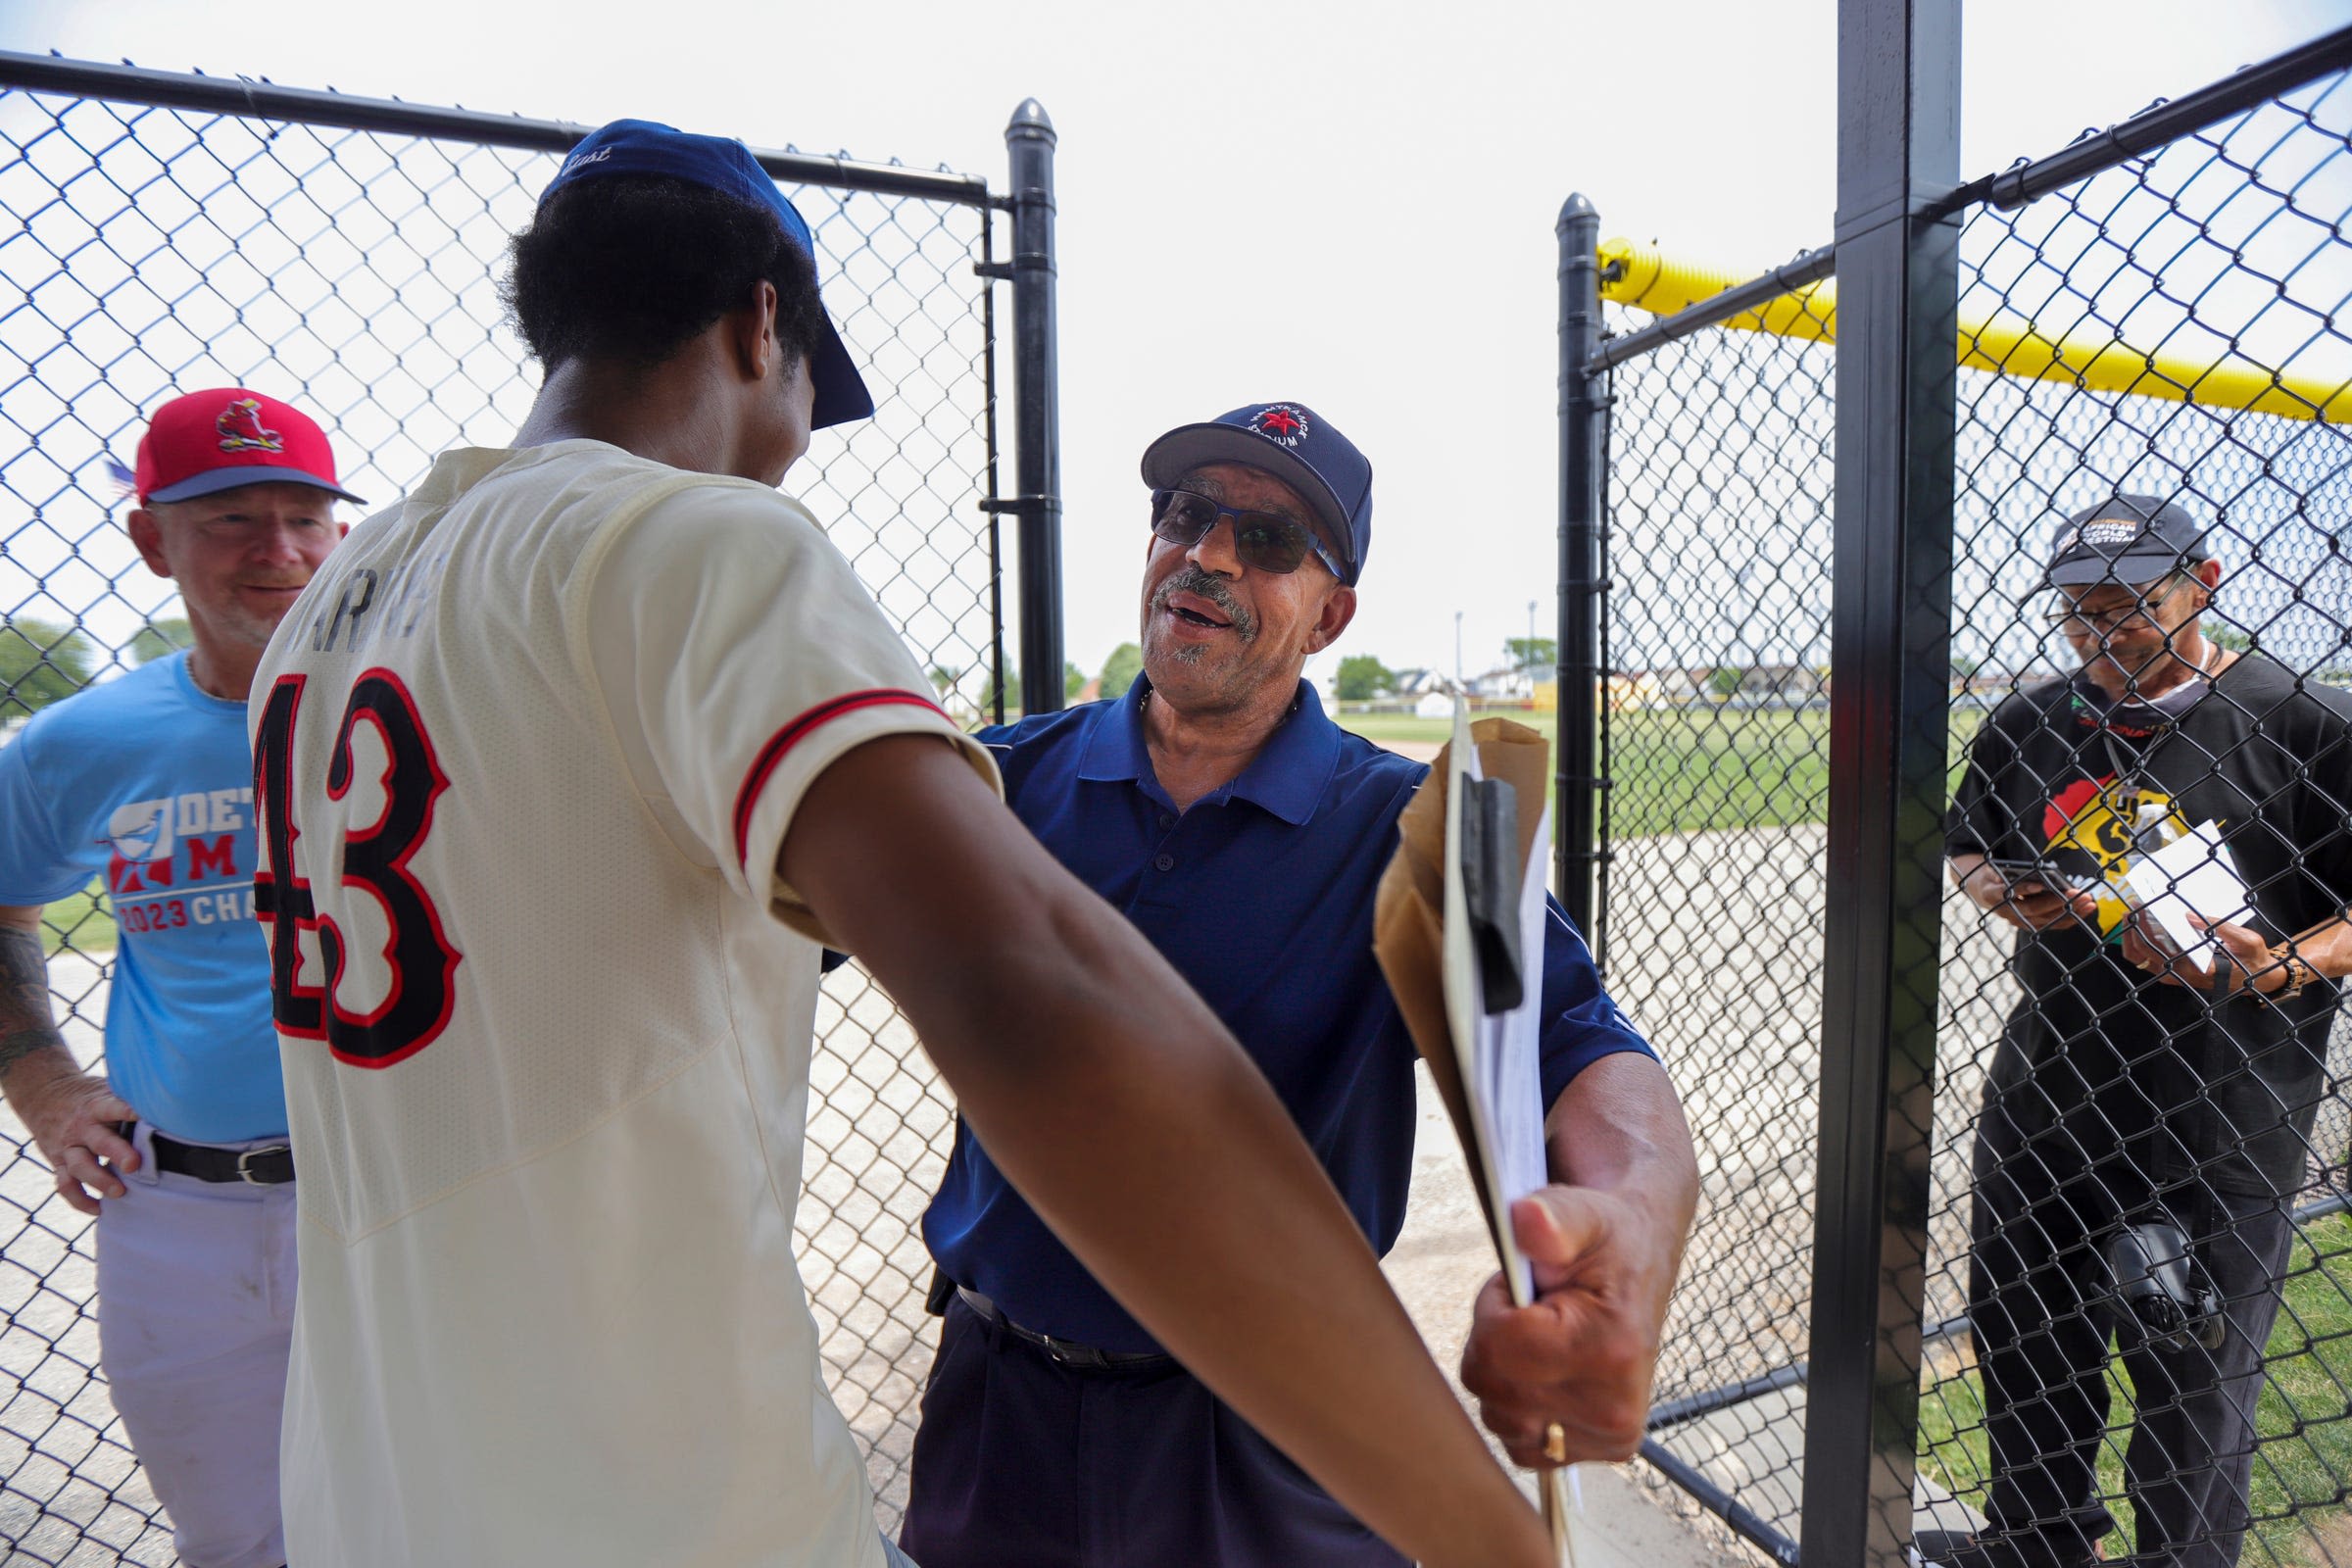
(1491, 888)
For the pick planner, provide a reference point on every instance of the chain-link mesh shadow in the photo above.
(156, 250)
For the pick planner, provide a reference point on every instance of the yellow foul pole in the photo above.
(1647, 278)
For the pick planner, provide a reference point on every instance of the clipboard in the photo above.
(1457, 928)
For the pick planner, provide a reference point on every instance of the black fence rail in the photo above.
(1811, 659)
(160, 233)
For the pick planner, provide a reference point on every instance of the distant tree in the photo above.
(2229, 637)
(1126, 662)
(1725, 682)
(1531, 653)
(39, 663)
(1073, 681)
(159, 637)
(944, 680)
(988, 690)
(1361, 675)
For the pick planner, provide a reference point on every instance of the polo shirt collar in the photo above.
(1287, 779)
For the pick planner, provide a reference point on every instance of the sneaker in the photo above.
(1961, 1548)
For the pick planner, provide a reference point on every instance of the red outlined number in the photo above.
(417, 1003)
(280, 896)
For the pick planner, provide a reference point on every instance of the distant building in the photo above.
(1782, 685)
(1421, 682)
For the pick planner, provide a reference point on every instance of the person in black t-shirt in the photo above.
(2133, 1087)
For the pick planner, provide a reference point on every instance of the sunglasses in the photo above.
(2074, 621)
(1264, 541)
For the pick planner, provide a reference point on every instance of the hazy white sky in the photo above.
(1347, 205)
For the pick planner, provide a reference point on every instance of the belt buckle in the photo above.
(1063, 1353)
(245, 1171)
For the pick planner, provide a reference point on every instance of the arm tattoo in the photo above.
(26, 1025)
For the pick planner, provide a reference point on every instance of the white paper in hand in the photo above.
(2194, 874)
(1502, 1067)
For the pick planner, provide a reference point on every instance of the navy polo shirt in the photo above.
(1261, 895)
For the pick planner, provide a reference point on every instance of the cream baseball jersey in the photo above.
(524, 752)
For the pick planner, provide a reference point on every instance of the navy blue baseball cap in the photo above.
(1292, 442)
(644, 147)
(2126, 539)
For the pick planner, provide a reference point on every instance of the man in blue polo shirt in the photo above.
(1244, 833)
(180, 1149)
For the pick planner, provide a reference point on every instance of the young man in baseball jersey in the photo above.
(180, 1149)
(561, 768)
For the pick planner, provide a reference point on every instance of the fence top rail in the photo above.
(2167, 121)
(2162, 122)
(265, 100)
(1713, 311)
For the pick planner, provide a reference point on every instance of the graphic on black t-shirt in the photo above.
(2097, 825)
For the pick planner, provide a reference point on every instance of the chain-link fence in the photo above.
(171, 233)
(2167, 322)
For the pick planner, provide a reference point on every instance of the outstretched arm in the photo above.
(1128, 1117)
(72, 1117)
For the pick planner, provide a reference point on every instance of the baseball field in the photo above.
(1697, 769)
(1679, 769)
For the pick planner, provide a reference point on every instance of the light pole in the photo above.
(1527, 656)
(1457, 655)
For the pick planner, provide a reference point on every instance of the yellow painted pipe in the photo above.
(1645, 277)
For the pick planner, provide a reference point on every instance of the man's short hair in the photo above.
(627, 269)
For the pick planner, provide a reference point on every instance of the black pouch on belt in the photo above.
(2158, 1280)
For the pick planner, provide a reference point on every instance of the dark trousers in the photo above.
(1022, 1462)
(2039, 1303)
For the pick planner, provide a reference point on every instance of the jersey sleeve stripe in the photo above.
(771, 756)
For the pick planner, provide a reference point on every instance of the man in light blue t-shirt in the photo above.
(180, 1149)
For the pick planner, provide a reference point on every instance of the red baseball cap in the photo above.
(208, 442)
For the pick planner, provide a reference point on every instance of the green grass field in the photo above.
(81, 922)
(1693, 769)
(2303, 1426)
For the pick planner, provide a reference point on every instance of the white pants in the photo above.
(195, 1315)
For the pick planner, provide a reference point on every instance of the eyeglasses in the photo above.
(2074, 621)
(1265, 540)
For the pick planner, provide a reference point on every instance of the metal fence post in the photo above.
(1898, 268)
(1029, 142)
(1578, 674)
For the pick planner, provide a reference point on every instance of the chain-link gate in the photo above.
(174, 233)
(2159, 311)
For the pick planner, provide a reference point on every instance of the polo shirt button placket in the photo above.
(1163, 861)
(1167, 821)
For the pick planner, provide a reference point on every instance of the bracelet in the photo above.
(2301, 972)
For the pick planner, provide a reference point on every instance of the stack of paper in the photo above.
(2193, 875)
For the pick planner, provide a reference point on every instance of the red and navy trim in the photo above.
(771, 756)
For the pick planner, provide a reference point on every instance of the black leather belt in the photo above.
(272, 1166)
(1063, 1353)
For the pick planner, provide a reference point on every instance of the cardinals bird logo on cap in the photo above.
(1280, 424)
(243, 430)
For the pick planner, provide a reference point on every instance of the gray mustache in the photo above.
(1203, 584)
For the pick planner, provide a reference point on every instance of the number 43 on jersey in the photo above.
(418, 990)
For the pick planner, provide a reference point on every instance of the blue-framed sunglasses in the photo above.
(1264, 541)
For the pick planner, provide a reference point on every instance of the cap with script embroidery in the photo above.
(215, 440)
(2126, 539)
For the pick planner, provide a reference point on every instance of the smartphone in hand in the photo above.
(2049, 873)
